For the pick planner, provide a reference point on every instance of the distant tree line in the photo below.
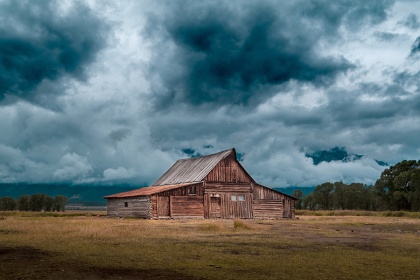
(35, 202)
(398, 188)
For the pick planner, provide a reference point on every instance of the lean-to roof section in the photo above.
(147, 191)
(191, 169)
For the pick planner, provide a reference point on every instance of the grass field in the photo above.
(89, 246)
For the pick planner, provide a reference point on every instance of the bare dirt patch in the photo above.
(32, 263)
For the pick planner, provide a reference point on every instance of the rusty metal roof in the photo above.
(147, 191)
(191, 169)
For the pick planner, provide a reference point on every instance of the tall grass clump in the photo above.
(210, 227)
(238, 224)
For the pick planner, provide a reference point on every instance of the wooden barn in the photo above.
(215, 186)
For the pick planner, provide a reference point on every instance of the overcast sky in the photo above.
(114, 91)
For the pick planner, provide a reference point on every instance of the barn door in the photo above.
(215, 207)
(163, 206)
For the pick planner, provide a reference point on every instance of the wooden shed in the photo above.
(215, 186)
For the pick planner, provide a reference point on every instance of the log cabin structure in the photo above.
(215, 186)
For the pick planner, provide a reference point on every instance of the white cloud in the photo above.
(118, 173)
(72, 167)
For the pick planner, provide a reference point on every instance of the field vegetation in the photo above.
(77, 245)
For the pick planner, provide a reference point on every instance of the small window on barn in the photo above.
(233, 197)
(125, 204)
(193, 190)
(241, 198)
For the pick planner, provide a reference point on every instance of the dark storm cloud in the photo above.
(39, 41)
(385, 36)
(391, 102)
(330, 15)
(234, 53)
(411, 22)
(415, 48)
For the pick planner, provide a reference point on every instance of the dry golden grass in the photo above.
(312, 247)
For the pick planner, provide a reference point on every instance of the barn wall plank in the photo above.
(268, 209)
(227, 188)
(187, 206)
(136, 207)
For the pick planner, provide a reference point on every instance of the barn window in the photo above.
(193, 190)
(241, 198)
(125, 204)
(233, 197)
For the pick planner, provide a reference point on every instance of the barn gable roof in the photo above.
(192, 169)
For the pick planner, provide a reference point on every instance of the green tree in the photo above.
(48, 203)
(397, 186)
(323, 195)
(23, 202)
(36, 202)
(407, 185)
(60, 202)
(354, 196)
(370, 199)
(8, 203)
(339, 195)
(308, 202)
(299, 195)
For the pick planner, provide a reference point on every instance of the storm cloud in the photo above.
(116, 91)
(415, 48)
(44, 40)
(234, 53)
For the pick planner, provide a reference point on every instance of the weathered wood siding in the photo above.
(153, 203)
(228, 170)
(185, 190)
(212, 206)
(268, 209)
(163, 206)
(129, 207)
(269, 204)
(187, 207)
(227, 188)
(264, 193)
(183, 202)
(288, 208)
(222, 205)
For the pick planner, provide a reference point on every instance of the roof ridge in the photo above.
(192, 169)
(209, 155)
